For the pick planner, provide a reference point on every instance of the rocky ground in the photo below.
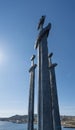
(68, 121)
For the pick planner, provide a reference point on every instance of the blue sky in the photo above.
(18, 32)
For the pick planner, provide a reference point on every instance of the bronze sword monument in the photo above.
(55, 105)
(31, 95)
(48, 108)
(45, 121)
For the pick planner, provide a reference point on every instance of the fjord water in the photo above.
(13, 126)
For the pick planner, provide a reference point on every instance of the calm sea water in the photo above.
(13, 126)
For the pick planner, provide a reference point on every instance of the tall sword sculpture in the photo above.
(45, 121)
(31, 95)
(55, 106)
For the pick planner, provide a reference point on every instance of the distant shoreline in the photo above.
(66, 121)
